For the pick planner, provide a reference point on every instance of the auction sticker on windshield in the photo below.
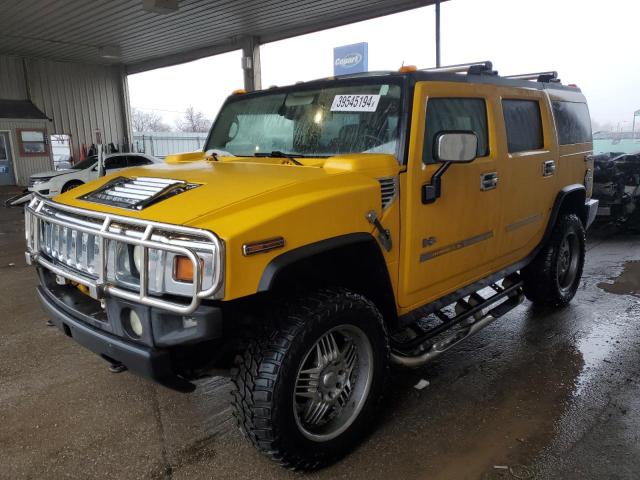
(355, 103)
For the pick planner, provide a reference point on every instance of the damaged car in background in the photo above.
(617, 186)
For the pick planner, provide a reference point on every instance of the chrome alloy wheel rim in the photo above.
(333, 383)
(568, 260)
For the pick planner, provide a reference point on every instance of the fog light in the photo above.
(135, 324)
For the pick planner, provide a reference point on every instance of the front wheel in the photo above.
(553, 277)
(71, 185)
(307, 391)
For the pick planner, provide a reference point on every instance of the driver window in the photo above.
(468, 114)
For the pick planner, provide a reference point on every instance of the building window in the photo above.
(32, 142)
(445, 114)
(524, 125)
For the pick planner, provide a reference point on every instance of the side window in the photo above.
(455, 114)
(524, 125)
(136, 161)
(115, 162)
(572, 122)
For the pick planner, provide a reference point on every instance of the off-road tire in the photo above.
(542, 284)
(70, 185)
(265, 373)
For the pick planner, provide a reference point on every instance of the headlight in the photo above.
(39, 181)
(124, 264)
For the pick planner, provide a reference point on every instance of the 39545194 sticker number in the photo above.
(355, 103)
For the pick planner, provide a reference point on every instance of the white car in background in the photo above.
(50, 184)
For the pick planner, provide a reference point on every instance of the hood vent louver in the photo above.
(137, 193)
(388, 189)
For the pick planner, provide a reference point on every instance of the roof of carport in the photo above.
(75, 30)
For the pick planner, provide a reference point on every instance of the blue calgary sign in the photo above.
(351, 59)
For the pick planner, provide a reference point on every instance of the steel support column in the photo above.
(438, 63)
(251, 64)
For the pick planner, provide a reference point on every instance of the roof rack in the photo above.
(545, 77)
(473, 68)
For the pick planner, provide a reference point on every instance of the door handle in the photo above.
(548, 168)
(488, 181)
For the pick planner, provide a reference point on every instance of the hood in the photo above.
(237, 182)
(52, 173)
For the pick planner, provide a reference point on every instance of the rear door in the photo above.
(451, 242)
(529, 182)
(115, 163)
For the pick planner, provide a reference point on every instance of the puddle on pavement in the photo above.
(627, 283)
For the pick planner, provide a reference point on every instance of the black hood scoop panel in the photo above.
(137, 193)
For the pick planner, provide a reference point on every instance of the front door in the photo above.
(452, 241)
(6, 161)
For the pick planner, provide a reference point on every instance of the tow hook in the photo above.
(384, 236)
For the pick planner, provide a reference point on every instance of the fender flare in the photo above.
(281, 262)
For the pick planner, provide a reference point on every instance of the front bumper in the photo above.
(146, 360)
(591, 210)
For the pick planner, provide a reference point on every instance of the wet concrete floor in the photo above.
(538, 394)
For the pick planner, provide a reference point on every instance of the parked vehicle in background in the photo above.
(616, 185)
(52, 183)
(327, 229)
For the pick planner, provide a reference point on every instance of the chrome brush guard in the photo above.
(72, 243)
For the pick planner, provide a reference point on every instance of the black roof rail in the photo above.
(474, 68)
(544, 77)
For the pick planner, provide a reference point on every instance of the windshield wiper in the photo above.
(279, 154)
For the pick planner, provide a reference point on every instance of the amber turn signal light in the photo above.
(183, 269)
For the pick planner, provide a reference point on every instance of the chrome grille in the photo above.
(76, 249)
(388, 190)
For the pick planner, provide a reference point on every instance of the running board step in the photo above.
(462, 333)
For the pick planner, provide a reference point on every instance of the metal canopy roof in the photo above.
(82, 31)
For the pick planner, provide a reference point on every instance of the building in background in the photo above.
(43, 99)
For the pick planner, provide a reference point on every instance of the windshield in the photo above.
(86, 163)
(319, 122)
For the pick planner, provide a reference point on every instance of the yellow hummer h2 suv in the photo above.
(326, 230)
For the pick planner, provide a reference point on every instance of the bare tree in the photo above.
(193, 121)
(147, 122)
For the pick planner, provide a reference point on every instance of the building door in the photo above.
(6, 160)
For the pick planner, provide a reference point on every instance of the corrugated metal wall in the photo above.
(24, 166)
(79, 99)
(12, 84)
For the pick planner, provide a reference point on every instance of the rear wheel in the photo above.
(307, 391)
(554, 275)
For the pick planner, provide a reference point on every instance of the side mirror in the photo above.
(456, 147)
(450, 147)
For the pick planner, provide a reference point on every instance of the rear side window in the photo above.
(572, 122)
(524, 125)
(455, 114)
(115, 162)
(135, 161)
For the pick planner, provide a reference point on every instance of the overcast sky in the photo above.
(592, 44)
